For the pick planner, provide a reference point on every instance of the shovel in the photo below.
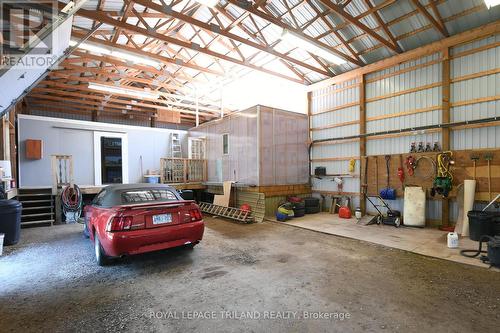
(388, 193)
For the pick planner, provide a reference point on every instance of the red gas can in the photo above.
(344, 212)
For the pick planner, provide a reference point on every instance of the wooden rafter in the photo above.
(384, 26)
(439, 26)
(253, 10)
(188, 45)
(351, 19)
(217, 30)
(334, 31)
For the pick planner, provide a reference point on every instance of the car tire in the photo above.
(191, 245)
(311, 202)
(298, 205)
(100, 256)
(312, 210)
(86, 232)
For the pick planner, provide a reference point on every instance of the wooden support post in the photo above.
(362, 140)
(309, 136)
(445, 132)
(13, 147)
(4, 133)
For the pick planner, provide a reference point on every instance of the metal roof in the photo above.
(244, 36)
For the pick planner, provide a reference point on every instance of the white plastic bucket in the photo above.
(1, 243)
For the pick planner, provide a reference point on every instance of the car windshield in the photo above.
(149, 195)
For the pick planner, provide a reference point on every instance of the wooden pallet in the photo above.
(227, 212)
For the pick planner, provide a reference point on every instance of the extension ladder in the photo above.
(228, 212)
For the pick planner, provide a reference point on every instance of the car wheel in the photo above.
(101, 257)
(192, 245)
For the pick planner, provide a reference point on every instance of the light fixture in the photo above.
(491, 3)
(209, 3)
(111, 51)
(299, 41)
(123, 91)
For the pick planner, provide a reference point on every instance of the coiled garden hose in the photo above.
(475, 253)
(72, 201)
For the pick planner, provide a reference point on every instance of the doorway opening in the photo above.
(111, 160)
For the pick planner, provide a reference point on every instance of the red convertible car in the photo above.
(137, 218)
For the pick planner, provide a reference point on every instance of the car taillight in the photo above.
(193, 215)
(120, 223)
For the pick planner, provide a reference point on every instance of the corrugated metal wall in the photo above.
(335, 113)
(484, 87)
(405, 96)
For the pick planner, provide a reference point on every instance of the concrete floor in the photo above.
(49, 282)
(426, 241)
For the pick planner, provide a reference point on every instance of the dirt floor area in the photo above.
(258, 277)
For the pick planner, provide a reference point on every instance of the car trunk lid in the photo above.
(160, 214)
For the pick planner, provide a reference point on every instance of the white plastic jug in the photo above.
(452, 240)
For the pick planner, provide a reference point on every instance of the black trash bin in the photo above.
(480, 223)
(10, 221)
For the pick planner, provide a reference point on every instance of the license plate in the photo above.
(163, 218)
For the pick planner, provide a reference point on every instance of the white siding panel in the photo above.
(399, 145)
(476, 138)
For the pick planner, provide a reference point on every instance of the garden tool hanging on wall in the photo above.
(401, 172)
(352, 165)
(388, 193)
(444, 179)
(411, 164)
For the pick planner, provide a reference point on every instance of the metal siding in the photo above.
(326, 99)
(470, 138)
(484, 86)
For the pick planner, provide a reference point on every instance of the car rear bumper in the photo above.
(132, 242)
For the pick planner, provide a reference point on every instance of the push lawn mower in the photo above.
(393, 217)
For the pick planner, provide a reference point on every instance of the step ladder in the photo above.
(38, 207)
(175, 145)
(227, 212)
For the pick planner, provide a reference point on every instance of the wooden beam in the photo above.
(212, 28)
(446, 96)
(432, 20)
(335, 32)
(154, 56)
(351, 19)
(384, 27)
(253, 10)
(439, 18)
(362, 140)
(4, 137)
(445, 132)
(185, 44)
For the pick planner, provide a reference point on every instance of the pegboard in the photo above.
(461, 170)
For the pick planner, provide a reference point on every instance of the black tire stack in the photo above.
(298, 206)
(311, 205)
